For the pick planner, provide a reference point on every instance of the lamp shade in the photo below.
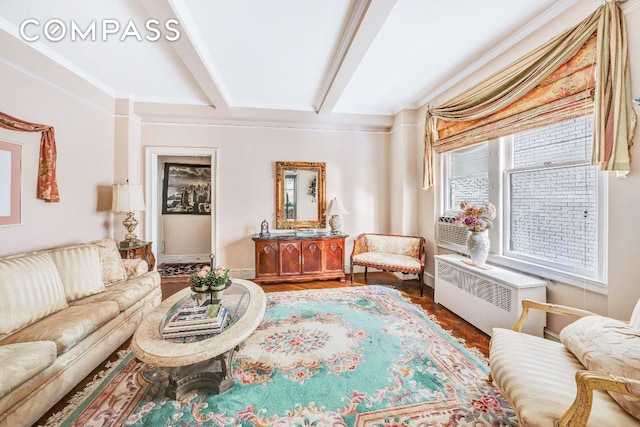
(336, 208)
(127, 198)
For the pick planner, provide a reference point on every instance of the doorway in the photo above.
(155, 158)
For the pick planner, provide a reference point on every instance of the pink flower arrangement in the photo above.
(208, 278)
(476, 218)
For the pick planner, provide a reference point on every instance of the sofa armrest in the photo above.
(549, 308)
(135, 267)
(359, 245)
(587, 381)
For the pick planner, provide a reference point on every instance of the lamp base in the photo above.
(130, 223)
(335, 222)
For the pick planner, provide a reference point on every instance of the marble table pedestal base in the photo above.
(213, 375)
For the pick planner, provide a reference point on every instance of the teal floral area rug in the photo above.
(360, 356)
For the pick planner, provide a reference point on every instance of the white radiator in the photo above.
(488, 298)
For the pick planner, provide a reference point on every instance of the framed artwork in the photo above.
(186, 189)
(10, 183)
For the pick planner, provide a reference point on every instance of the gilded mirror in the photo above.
(300, 195)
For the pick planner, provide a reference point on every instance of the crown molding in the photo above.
(256, 117)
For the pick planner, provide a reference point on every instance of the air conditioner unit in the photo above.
(451, 236)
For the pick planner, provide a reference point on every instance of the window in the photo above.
(550, 199)
(469, 176)
(290, 196)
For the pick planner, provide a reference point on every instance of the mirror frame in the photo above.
(318, 167)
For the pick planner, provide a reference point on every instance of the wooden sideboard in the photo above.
(292, 258)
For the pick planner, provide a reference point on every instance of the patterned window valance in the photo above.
(582, 71)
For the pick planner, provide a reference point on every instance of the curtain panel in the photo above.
(47, 181)
(582, 71)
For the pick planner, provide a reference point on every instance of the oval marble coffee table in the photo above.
(205, 363)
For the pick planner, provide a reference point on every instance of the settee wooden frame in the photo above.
(360, 246)
(577, 415)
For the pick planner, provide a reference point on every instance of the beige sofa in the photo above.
(590, 378)
(389, 252)
(63, 311)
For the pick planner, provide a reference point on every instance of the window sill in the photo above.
(549, 274)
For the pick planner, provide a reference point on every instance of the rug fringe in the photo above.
(74, 402)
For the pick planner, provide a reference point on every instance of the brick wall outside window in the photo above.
(554, 210)
(469, 177)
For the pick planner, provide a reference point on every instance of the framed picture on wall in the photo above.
(186, 189)
(10, 183)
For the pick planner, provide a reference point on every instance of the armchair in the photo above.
(590, 378)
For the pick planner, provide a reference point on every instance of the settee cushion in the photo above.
(80, 270)
(393, 261)
(112, 268)
(399, 245)
(67, 327)
(30, 289)
(607, 346)
(22, 361)
(538, 376)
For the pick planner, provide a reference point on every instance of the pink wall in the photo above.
(84, 127)
(357, 172)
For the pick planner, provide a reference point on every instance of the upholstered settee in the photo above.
(389, 252)
(589, 378)
(63, 311)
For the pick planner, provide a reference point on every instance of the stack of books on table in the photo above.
(194, 321)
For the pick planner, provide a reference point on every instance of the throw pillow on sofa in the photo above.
(80, 271)
(112, 267)
(30, 289)
(607, 346)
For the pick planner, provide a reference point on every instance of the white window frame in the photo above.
(500, 155)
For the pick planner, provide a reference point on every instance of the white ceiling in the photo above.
(327, 56)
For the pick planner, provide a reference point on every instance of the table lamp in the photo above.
(336, 209)
(128, 198)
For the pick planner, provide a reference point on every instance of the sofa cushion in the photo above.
(125, 294)
(538, 376)
(67, 327)
(607, 346)
(30, 289)
(399, 245)
(135, 267)
(112, 268)
(22, 361)
(80, 270)
(393, 261)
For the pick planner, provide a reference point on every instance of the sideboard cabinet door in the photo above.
(267, 259)
(334, 255)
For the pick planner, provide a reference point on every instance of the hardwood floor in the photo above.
(459, 328)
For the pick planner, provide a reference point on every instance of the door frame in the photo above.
(153, 195)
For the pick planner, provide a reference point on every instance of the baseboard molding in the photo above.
(243, 273)
(182, 259)
(250, 274)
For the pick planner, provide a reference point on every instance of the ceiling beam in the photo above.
(364, 21)
(188, 48)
